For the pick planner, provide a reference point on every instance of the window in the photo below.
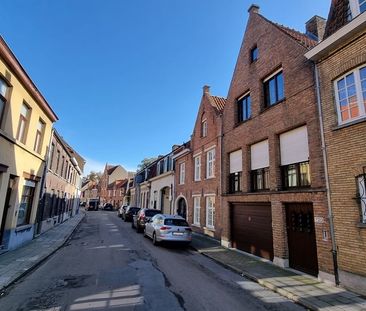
(254, 54)
(295, 168)
(196, 210)
(361, 180)
(296, 175)
(182, 173)
(52, 151)
(39, 136)
(351, 95)
(236, 167)
(62, 166)
(273, 89)
(362, 4)
(3, 95)
(210, 169)
(244, 108)
(259, 158)
(23, 123)
(210, 212)
(357, 7)
(26, 203)
(204, 128)
(114, 193)
(197, 168)
(58, 160)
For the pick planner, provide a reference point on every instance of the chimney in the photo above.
(206, 89)
(175, 147)
(254, 8)
(315, 27)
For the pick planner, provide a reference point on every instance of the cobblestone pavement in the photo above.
(304, 289)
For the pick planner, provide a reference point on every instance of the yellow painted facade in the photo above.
(18, 160)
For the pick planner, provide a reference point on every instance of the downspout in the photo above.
(325, 157)
(221, 171)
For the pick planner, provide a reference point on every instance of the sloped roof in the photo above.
(111, 169)
(298, 36)
(217, 102)
(338, 16)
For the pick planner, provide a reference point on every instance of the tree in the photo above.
(93, 176)
(145, 163)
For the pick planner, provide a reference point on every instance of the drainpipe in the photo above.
(325, 157)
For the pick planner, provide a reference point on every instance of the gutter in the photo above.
(325, 157)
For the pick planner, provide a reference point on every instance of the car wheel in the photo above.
(132, 225)
(125, 219)
(155, 241)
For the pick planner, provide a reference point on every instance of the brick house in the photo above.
(117, 192)
(198, 178)
(111, 173)
(341, 69)
(274, 196)
(62, 185)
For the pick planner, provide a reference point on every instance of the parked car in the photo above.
(121, 210)
(130, 211)
(170, 228)
(108, 207)
(142, 217)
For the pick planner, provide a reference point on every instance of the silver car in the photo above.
(170, 228)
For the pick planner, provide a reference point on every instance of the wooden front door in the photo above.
(301, 237)
(251, 228)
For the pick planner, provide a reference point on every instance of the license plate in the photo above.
(177, 233)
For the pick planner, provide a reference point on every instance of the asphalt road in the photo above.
(108, 266)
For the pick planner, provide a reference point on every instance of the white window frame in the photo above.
(204, 127)
(210, 163)
(355, 8)
(359, 95)
(197, 210)
(182, 173)
(197, 168)
(210, 212)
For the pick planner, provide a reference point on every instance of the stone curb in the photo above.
(283, 292)
(41, 260)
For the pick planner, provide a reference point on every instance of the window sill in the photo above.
(23, 228)
(344, 125)
(196, 225)
(212, 229)
(361, 225)
(211, 177)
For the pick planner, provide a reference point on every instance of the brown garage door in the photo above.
(251, 228)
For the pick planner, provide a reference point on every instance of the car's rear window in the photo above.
(134, 209)
(150, 213)
(176, 222)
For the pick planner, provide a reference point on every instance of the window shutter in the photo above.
(294, 146)
(236, 160)
(259, 155)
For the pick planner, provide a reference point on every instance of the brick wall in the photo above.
(346, 152)
(276, 49)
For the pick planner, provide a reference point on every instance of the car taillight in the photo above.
(188, 229)
(165, 228)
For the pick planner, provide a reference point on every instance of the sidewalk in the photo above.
(301, 288)
(14, 264)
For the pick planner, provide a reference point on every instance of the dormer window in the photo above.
(254, 54)
(204, 128)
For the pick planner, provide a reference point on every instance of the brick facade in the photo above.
(345, 151)
(210, 112)
(279, 47)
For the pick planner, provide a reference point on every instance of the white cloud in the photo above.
(93, 165)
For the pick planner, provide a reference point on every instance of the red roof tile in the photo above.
(298, 36)
(217, 102)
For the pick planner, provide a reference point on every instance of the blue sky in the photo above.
(125, 77)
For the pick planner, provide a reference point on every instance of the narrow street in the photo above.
(107, 266)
